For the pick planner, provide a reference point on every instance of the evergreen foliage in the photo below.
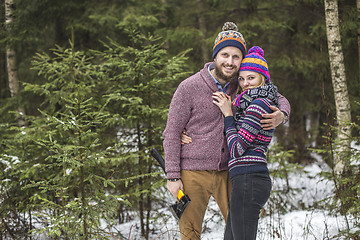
(347, 186)
(63, 165)
(142, 82)
(280, 167)
(87, 154)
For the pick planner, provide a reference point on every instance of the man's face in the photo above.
(227, 64)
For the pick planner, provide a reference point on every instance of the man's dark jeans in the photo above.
(249, 194)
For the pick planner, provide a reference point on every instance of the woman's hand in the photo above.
(223, 101)
(185, 139)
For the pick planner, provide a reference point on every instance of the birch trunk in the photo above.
(11, 63)
(338, 77)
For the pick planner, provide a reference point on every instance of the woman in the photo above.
(248, 144)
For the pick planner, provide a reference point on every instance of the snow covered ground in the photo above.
(305, 219)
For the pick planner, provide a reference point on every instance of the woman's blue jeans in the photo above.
(249, 194)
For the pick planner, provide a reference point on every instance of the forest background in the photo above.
(85, 88)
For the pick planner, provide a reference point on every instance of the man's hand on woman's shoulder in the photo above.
(272, 120)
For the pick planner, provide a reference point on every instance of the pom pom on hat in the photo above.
(229, 26)
(229, 37)
(254, 61)
(257, 50)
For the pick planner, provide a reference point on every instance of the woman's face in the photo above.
(249, 79)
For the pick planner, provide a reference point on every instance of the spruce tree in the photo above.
(69, 170)
(142, 80)
(86, 154)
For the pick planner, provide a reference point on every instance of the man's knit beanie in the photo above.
(254, 61)
(229, 36)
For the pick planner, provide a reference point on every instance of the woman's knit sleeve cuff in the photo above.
(229, 122)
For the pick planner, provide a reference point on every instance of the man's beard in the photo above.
(221, 75)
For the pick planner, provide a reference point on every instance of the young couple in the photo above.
(227, 135)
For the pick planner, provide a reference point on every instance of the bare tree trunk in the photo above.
(11, 63)
(12, 72)
(338, 76)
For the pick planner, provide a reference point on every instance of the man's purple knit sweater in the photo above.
(192, 108)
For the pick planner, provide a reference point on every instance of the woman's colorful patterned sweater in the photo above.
(247, 141)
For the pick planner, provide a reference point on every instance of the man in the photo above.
(200, 168)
